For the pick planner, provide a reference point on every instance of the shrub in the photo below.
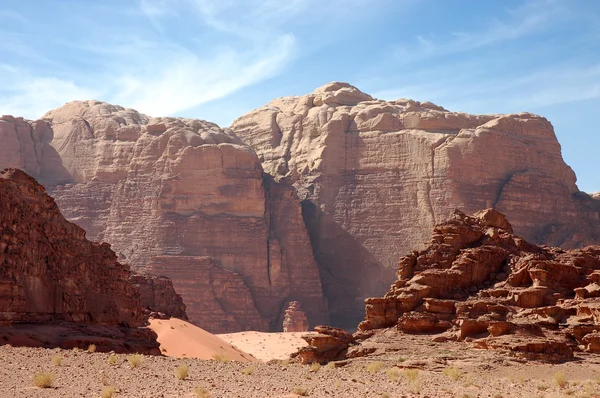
(375, 367)
(315, 367)
(43, 380)
(411, 374)
(220, 357)
(182, 372)
(453, 372)
(92, 348)
(201, 392)
(108, 392)
(330, 365)
(303, 392)
(135, 360)
(57, 360)
(112, 359)
(249, 370)
(392, 373)
(560, 379)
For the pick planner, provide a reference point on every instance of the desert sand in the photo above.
(181, 339)
(413, 367)
(266, 346)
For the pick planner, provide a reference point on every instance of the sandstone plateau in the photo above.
(478, 282)
(352, 183)
(185, 199)
(56, 287)
(375, 177)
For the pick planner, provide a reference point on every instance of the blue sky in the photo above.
(217, 59)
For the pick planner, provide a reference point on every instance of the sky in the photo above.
(218, 59)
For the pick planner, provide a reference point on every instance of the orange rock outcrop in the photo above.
(479, 282)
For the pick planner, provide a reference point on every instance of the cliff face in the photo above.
(375, 176)
(50, 274)
(157, 295)
(172, 195)
(478, 280)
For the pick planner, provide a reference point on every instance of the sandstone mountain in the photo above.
(375, 176)
(187, 199)
(53, 278)
(477, 281)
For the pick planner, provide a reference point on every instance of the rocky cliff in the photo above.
(187, 199)
(158, 296)
(477, 281)
(375, 176)
(51, 274)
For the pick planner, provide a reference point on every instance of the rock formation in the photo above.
(328, 344)
(52, 276)
(295, 319)
(477, 281)
(158, 296)
(375, 176)
(188, 200)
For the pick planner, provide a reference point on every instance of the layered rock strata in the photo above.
(186, 199)
(295, 319)
(158, 296)
(51, 276)
(375, 176)
(477, 281)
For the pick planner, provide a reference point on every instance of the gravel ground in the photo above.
(84, 374)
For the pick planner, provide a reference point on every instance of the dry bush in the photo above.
(182, 372)
(315, 367)
(393, 373)
(411, 374)
(201, 392)
(135, 360)
(57, 360)
(108, 392)
(43, 380)
(249, 370)
(220, 357)
(301, 391)
(92, 348)
(453, 372)
(560, 379)
(375, 367)
(330, 365)
(112, 359)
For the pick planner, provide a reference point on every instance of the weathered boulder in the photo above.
(328, 344)
(477, 281)
(376, 176)
(186, 199)
(51, 276)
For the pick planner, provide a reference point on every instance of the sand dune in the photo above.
(181, 339)
(266, 346)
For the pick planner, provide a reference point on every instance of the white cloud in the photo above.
(185, 80)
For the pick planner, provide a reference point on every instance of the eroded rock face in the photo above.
(187, 199)
(477, 281)
(50, 274)
(158, 296)
(295, 319)
(26, 146)
(376, 176)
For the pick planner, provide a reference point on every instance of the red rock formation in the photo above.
(161, 187)
(328, 344)
(477, 281)
(157, 295)
(376, 176)
(295, 319)
(52, 276)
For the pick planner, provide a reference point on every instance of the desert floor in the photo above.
(406, 366)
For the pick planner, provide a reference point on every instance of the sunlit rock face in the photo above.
(376, 176)
(172, 195)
